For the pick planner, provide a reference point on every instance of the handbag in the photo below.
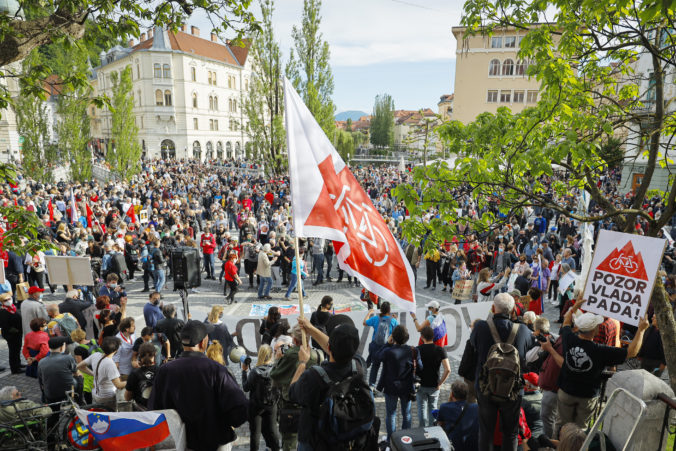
(288, 420)
(22, 291)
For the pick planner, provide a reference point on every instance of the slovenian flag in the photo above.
(440, 332)
(121, 431)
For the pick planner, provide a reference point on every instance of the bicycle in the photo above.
(627, 263)
(60, 430)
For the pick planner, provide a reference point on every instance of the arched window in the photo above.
(521, 67)
(197, 150)
(167, 98)
(494, 68)
(159, 98)
(219, 150)
(228, 149)
(138, 72)
(234, 105)
(157, 70)
(193, 74)
(194, 100)
(166, 72)
(230, 105)
(234, 82)
(168, 149)
(216, 103)
(238, 149)
(211, 103)
(210, 151)
(246, 85)
(508, 67)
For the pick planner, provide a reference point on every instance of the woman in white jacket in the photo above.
(488, 287)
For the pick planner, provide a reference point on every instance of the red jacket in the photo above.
(230, 271)
(208, 243)
(37, 341)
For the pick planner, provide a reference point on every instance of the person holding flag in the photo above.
(436, 321)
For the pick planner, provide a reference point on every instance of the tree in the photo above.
(359, 138)
(421, 133)
(382, 121)
(80, 23)
(308, 67)
(344, 144)
(125, 155)
(348, 125)
(73, 134)
(264, 105)
(507, 162)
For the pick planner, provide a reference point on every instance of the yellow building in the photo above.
(489, 74)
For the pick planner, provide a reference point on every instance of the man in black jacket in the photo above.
(10, 326)
(75, 307)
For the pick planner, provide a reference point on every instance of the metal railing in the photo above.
(670, 404)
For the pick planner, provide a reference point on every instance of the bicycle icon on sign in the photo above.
(626, 262)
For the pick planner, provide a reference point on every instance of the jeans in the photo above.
(292, 285)
(159, 277)
(549, 413)
(428, 398)
(318, 266)
(264, 286)
(276, 276)
(209, 264)
(232, 284)
(264, 422)
(329, 264)
(373, 375)
(509, 422)
(304, 446)
(391, 413)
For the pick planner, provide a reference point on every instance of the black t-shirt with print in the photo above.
(583, 362)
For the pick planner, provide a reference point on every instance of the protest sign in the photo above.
(69, 270)
(462, 290)
(622, 275)
(143, 216)
(2, 273)
(458, 320)
(566, 280)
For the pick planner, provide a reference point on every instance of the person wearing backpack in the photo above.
(401, 365)
(60, 324)
(262, 401)
(501, 346)
(83, 349)
(338, 409)
(140, 380)
(383, 325)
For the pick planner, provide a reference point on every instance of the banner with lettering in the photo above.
(622, 275)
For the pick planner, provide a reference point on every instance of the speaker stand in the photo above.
(183, 292)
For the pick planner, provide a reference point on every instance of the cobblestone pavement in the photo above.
(210, 293)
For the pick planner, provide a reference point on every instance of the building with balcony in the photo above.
(188, 95)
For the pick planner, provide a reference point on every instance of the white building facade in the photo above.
(188, 95)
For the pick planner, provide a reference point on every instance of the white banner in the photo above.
(622, 275)
(458, 321)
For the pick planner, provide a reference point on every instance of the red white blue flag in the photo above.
(122, 431)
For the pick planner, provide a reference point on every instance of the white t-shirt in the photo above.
(103, 376)
(124, 353)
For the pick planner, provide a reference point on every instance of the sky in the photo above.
(404, 48)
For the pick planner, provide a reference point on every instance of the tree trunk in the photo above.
(667, 325)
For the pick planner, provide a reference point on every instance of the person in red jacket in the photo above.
(208, 245)
(232, 279)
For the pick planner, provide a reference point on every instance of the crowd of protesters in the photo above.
(240, 222)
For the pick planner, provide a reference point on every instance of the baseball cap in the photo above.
(344, 342)
(515, 294)
(588, 321)
(32, 290)
(56, 342)
(193, 333)
(532, 380)
(433, 304)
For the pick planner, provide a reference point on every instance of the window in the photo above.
(520, 39)
(216, 103)
(230, 125)
(234, 83)
(213, 80)
(510, 42)
(216, 124)
(234, 106)
(532, 97)
(230, 105)
(246, 85)
(211, 124)
(496, 42)
(159, 98)
(167, 98)
(505, 96)
(138, 96)
(651, 94)
(209, 77)
(235, 125)
(211, 103)
(194, 123)
(157, 70)
(193, 74)
(508, 67)
(194, 100)
(518, 96)
(492, 97)
(230, 81)
(521, 67)
(494, 68)
(138, 71)
(166, 72)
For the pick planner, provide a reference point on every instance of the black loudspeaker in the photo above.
(185, 263)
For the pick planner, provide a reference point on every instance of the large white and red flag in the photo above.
(329, 203)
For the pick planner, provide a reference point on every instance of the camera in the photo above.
(541, 338)
(284, 348)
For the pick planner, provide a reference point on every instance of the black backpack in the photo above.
(347, 417)
(263, 394)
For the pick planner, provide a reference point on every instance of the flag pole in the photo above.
(299, 279)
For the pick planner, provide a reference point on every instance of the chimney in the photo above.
(194, 30)
(150, 33)
(131, 43)
(143, 37)
(183, 28)
(214, 38)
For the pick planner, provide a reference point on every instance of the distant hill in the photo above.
(352, 114)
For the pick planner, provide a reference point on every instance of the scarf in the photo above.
(10, 308)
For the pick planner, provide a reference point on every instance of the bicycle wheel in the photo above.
(74, 433)
(11, 439)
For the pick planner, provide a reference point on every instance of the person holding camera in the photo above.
(262, 400)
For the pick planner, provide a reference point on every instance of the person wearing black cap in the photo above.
(309, 387)
(57, 373)
(203, 392)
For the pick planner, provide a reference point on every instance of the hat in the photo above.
(515, 293)
(545, 241)
(586, 322)
(56, 342)
(343, 342)
(531, 381)
(433, 304)
(32, 290)
(193, 333)
(5, 296)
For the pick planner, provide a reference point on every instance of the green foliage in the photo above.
(421, 134)
(359, 138)
(344, 144)
(73, 135)
(264, 105)
(125, 154)
(348, 125)
(382, 121)
(611, 152)
(308, 67)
